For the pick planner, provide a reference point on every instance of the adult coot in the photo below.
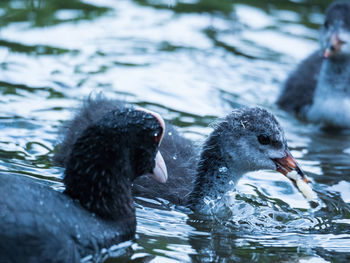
(247, 139)
(319, 89)
(96, 210)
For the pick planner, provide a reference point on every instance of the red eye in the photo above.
(157, 137)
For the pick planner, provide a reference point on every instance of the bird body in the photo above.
(247, 139)
(331, 103)
(319, 89)
(96, 209)
(59, 230)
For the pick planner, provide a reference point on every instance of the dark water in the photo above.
(191, 61)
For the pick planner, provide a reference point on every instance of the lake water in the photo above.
(192, 61)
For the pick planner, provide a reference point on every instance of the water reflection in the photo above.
(42, 13)
(200, 6)
(329, 149)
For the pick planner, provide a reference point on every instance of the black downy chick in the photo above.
(96, 210)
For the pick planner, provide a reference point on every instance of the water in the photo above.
(192, 61)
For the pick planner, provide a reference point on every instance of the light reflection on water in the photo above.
(192, 63)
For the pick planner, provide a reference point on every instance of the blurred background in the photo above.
(192, 61)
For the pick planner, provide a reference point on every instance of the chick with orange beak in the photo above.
(318, 90)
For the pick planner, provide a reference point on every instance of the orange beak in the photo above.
(333, 47)
(287, 164)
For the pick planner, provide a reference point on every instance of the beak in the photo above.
(287, 164)
(159, 172)
(333, 46)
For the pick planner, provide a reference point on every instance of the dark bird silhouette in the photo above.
(96, 210)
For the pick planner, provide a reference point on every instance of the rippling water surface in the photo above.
(192, 61)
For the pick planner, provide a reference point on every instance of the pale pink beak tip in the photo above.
(160, 172)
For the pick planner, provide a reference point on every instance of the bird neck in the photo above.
(216, 175)
(100, 183)
(335, 76)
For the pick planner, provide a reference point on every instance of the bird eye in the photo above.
(264, 139)
(157, 136)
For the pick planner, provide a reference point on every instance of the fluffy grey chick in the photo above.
(319, 89)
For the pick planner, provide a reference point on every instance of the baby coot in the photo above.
(247, 139)
(96, 210)
(319, 89)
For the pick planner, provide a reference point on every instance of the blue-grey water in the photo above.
(192, 61)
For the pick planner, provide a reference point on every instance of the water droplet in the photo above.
(170, 133)
(223, 169)
(174, 157)
(155, 134)
(78, 236)
(210, 203)
(207, 200)
(41, 202)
